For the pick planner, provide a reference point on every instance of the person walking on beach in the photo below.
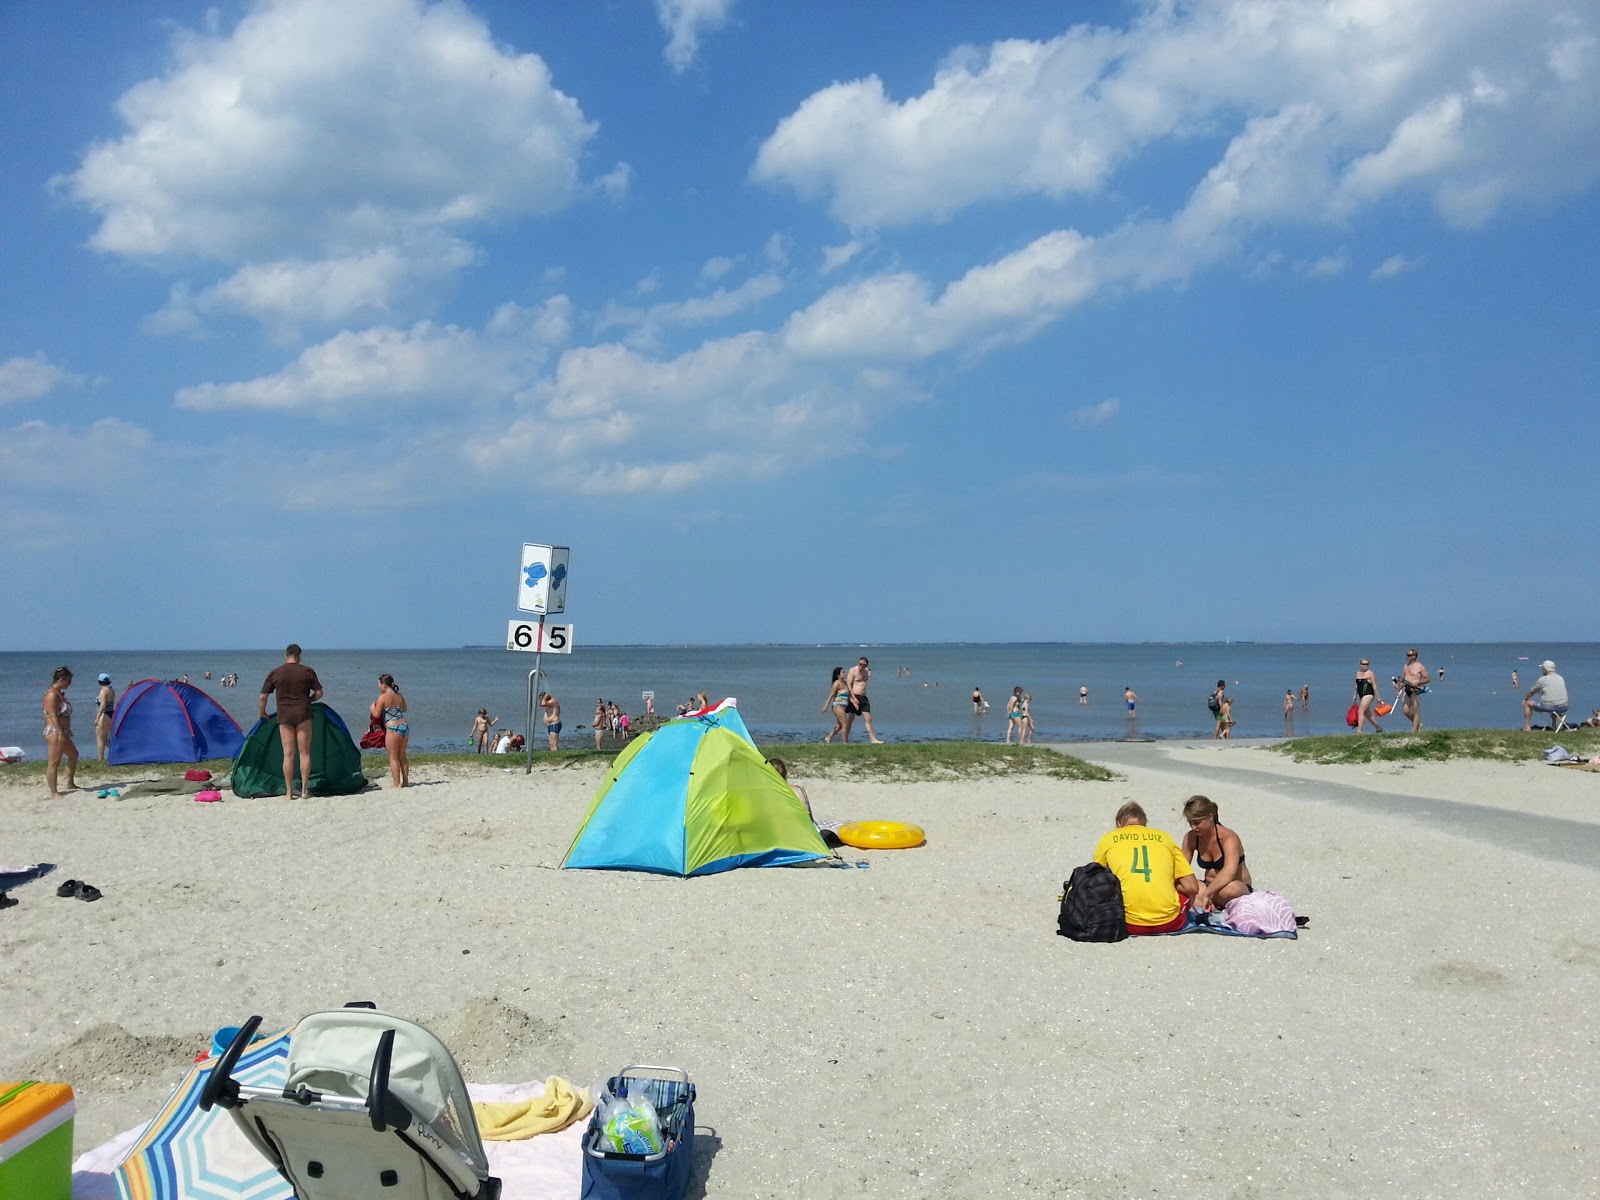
(856, 680)
(1027, 718)
(978, 703)
(1214, 703)
(297, 688)
(104, 709)
(1305, 696)
(1414, 679)
(600, 722)
(837, 703)
(1366, 695)
(552, 718)
(1132, 697)
(58, 741)
(1014, 716)
(390, 708)
(1514, 681)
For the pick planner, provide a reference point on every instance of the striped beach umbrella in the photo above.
(187, 1154)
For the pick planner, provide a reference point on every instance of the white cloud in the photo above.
(354, 141)
(1474, 103)
(616, 182)
(777, 250)
(1094, 415)
(715, 268)
(32, 378)
(684, 21)
(1395, 264)
(834, 257)
(426, 366)
(652, 323)
(1329, 266)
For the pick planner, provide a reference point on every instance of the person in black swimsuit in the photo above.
(1227, 877)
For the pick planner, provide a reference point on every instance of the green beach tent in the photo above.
(693, 798)
(335, 759)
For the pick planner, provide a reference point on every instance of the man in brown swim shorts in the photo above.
(298, 688)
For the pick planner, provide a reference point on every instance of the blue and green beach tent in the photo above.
(692, 798)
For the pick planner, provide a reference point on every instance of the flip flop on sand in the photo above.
(69, 888)
(88, 892)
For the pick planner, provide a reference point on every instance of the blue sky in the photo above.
(835, 321)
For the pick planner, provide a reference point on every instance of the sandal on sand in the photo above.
(69, 888)
(88, 892)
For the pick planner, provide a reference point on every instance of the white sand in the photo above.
(916, 1029)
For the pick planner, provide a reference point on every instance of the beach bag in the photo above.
(1214, 704)
(372, 739)
(1261, 912)
(197, 775)
(1352, 718)
(1091, 906)
(1381, 709)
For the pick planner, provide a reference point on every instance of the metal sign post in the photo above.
(537, 637)
(541, 590)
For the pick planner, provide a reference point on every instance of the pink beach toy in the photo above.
(209, 796)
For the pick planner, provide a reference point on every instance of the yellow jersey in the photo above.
(1148, 862)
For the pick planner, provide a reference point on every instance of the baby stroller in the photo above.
(374, 1106)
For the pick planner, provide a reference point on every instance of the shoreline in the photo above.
(898, 1031)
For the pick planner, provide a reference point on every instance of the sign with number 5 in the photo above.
(524, 635)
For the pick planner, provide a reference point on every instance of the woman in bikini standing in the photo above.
(838, 701)
(1218, 852)
(104, 710)
(58, 733)
(1014, 716)
(1027, 720)
(390, 708)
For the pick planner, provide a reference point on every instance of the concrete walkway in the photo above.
(1545, 838)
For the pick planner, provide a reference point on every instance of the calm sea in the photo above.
(919, 692)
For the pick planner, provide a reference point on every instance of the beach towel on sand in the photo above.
(1214, 923)
(11, 877)
(513, 1120)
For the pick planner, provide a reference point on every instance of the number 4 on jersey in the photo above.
(1141, 862)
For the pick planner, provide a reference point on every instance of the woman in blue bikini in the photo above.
(390, 708)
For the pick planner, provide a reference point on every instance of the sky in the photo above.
(1249, 319)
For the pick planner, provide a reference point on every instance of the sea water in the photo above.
(918, 692)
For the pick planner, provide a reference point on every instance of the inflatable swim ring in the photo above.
(880, 835)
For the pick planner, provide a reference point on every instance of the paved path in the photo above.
(1545, 838)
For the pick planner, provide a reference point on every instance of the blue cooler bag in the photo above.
(613, 1175)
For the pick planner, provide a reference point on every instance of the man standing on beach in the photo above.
(298, 688)
(552, 717)
(1158, 883)
(1413, 682)
(1132, 697)
(858, 705)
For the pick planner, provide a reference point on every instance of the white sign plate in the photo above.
(542, 579)
(524, 635)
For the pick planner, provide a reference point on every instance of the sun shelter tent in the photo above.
(164, 721)
(335, 760)
(692, 798)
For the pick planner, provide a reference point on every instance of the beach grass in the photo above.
(1440, 745)
(901, 761)
(897, 762)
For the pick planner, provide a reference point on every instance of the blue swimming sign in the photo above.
(542, 579)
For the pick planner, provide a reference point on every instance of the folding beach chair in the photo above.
(374, 1106)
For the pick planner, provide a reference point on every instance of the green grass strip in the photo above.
(1440, 745)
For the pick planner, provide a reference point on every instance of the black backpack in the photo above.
(1214, 703)
(1091, 907)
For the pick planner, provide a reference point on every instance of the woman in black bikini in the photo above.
(1218, 852)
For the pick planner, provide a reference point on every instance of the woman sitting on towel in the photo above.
(1218, 852)
(390, 708)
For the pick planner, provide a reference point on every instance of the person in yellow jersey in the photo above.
(1158, 884)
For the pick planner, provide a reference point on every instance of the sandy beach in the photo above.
(913, 1029)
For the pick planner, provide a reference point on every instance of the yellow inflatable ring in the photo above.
(880, 835)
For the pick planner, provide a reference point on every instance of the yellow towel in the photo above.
(513, 1120)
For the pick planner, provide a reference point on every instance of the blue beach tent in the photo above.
(693, 798)
(164, 721)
